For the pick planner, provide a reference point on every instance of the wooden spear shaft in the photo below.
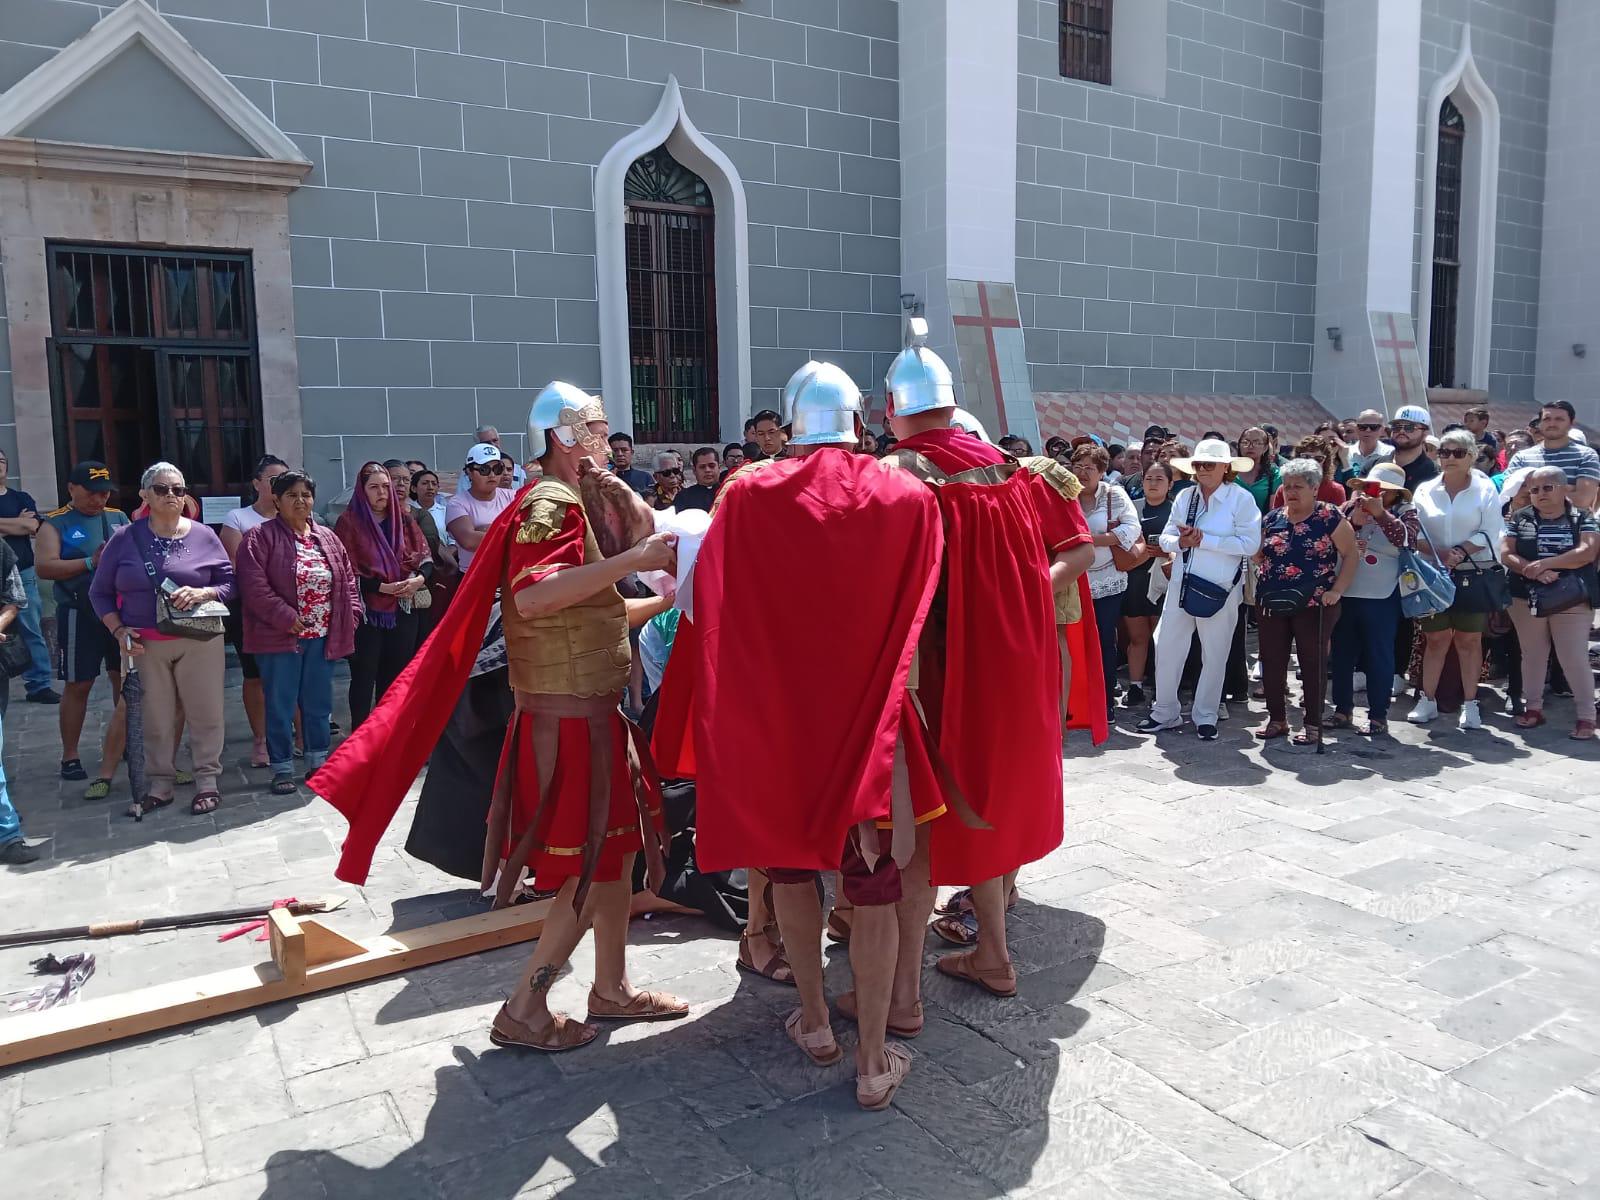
(221, 916)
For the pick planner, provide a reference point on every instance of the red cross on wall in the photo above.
(988, 322)
(1395, 344)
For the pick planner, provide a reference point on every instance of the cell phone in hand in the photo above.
(168, 587)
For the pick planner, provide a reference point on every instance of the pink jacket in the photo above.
(265, 580)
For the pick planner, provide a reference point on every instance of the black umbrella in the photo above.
(133, 710)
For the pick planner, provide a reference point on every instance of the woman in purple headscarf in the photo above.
(391, 558)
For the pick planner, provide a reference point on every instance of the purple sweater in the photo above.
(121, 582)
(268, 598)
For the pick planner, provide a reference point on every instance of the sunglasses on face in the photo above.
(1539, 488)
(678, 471)
(491, 469)
(1455, 454)
(169, 489)
(1406, 427)
(1368, 428)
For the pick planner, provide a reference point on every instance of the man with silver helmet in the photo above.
(792, 572)
(576, 798)
(1013, 538)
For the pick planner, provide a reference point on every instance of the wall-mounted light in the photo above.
(910, 305)
(1579, 349)
(1336, 336)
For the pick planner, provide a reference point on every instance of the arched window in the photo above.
(1445, 300)
(1086, 40)
(672, 301)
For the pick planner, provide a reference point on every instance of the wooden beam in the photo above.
(299, 968)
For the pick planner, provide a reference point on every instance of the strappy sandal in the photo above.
(1340, 720)
(258, 754)
(140, 809)
(901, 1029)
(282, 785)
(1531, 718)
(1272, 729)
(1000, 983)
(746, 962)
(1582, 731)
(563, 1034)
(204, 803)
(98, 790)
(874, 1092)
(1375, 728)
(1311, 735)
(645, 1006)
(838, 929)
(819, 1047)
(960, 903)
(957, 931)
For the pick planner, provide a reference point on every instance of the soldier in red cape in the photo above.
(577, 797)
(989, 682)
(808, 597)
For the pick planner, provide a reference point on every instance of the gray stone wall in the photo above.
(1511, 43)
(1170, 245)
(444, 244)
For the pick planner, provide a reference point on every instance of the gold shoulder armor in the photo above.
(1053, 473)
(544, 510)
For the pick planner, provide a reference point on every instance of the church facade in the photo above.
(347, 229)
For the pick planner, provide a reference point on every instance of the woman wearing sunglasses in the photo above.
(170, 553)
(468, 514)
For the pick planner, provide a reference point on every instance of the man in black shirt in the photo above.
(1408, 430)
(19, 521)
(622, 464)
(703, 490)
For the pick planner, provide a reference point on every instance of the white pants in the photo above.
(1174, 633)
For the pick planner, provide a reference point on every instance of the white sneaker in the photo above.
(1470, 717)
(1424, 710)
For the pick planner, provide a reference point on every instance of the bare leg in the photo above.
(989, 903)
(911, 923)
(761, 947)
(74, 707)
(1469, 652)
(800, 921)
(255, 708)
(873, 942)
(116, 740)
(562, 932)
(1436, 647)
(609, 906)
(1138, 647)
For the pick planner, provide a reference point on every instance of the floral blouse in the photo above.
(1295, 552)
(313, 587)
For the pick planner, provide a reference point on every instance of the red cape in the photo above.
(996, 718)
(810, 592)
(1086, 694)
(369, 774)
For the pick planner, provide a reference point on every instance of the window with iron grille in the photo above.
(154, 357)
(1086, 40)
(1446, 249)
(672, 301)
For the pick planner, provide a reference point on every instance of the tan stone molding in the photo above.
(29, 156)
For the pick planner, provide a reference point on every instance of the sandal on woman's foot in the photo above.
(819, 1046)
(258, 754)
(1311, 735)
(1001, 982)
(645, 1006)
(1531, 718)
(960, 903)
(1340, 720)
(958, 931)
(98, 790)
(901, 1029)
(1272, 729)
(204, 803)
(777, 963)
(1582, 731)
(1375, 728)
(282, 785)
(874, 1092)
(140, 809)
(563, 1033)
(838, 929)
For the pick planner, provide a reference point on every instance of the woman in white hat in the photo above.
(1380, 512)
(1214, 527)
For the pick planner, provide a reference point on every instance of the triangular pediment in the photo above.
(132, 81)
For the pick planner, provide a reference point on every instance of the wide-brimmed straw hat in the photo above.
(1212, 450)
(1391, 477)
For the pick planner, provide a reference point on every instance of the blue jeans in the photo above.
(300, 678)
(36, 678)
(10, 823)
(1364, 637)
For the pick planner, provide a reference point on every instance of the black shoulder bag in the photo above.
(1571, 587)
(201, 623)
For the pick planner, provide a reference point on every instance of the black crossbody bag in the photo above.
(1199, 597)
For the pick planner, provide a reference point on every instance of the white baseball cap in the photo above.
(483, 454)
(1414, 413)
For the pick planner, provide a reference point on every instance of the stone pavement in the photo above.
(1257, 973)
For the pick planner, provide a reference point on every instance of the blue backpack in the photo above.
(1426, 588)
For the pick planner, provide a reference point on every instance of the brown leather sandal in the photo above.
(838, 929)
(645, 1006)
(958, 931)
(901, 1029)
(874, 1092)
(563, 1033)
(746, 962)
(1002, 983)
(819, 1047)
(1272, 729)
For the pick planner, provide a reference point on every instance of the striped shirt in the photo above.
(1576, 459)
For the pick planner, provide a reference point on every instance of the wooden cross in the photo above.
(1395, 344)
(988, 322)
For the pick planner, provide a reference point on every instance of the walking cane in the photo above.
(1322, 652)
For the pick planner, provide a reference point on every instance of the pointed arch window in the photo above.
(672, 300)
(1446, 297)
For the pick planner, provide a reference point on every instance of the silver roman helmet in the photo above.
(965, 420)
(792, 388)
(918, 381)
(564, 412)
(825, 409)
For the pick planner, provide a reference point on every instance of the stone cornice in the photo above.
(35, 157)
